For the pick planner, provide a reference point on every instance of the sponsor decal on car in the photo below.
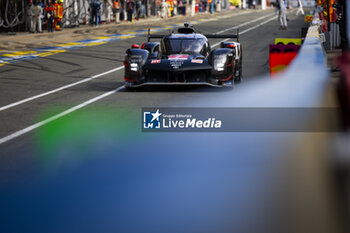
(178, 57)
(176, 64)
(199, 61)
(155, 61)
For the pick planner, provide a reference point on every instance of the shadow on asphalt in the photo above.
(180, 89)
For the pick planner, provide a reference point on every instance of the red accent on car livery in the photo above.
(128, 79)
(199, 61)
(226, 79)
(155, 61)
(178, 57)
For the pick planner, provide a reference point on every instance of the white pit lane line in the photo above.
(247, 30)
(59, 89)
(48, 120)
(109, 71)
(243, 24)
(95, 99)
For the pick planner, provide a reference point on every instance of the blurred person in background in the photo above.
(148, 5)
(124, 10)
(200, 6)
(138, 9)
(143, 11)
(94, 8)
(42, 4)
(205, 5)
(179, 6)
(58, 15)
(116, 11)
(300, 9)
(193, 7)
(29, 16)
(134, 11)
(212, 6)
(174, 7)
(277, 7)
(283, 15)
(99, 12)
(36, 12)
(91, 21)
(184, 7)
(130, 10)
(253, 4)
(170, 7)
(218, 5)
(163, 9)
(108, 10)
(49, 15)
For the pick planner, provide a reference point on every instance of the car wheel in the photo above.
(238, 75)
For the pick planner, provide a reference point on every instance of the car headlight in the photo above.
(219, 62)
(134, 67)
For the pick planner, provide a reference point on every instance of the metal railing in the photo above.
(12, 13)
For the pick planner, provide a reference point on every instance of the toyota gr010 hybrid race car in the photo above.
(183, 58)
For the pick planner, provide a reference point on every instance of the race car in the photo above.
(184, 57)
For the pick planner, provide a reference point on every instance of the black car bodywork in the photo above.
(184, 58)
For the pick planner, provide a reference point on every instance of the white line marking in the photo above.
(247, 30)
(109, 71)
(243, 24)
(48, 120)
(59, 89)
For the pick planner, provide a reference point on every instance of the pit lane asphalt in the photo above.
(28, 78)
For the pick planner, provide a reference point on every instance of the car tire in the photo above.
(238, 78)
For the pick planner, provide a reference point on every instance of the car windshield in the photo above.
(183, 45)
